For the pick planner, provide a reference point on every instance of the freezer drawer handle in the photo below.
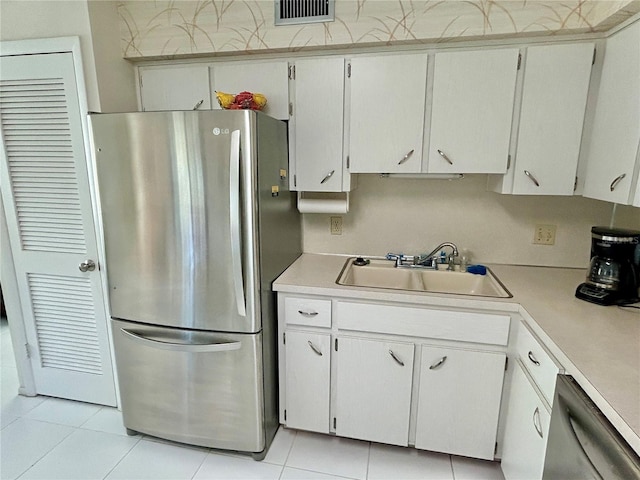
(182, 347)
(234, 221)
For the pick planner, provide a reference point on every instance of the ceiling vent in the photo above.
(291, 12)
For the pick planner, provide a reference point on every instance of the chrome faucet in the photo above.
(422, 259)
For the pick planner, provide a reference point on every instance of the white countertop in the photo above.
(598, 346)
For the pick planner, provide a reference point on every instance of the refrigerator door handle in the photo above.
(234, 222)
(182, 347)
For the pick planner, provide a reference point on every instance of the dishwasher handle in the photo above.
(181, 347)
(581, 442)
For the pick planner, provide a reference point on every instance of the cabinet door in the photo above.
(181, 87)
(616, 124)
(473, 94)
(459, 401)
(374, 390)
(526, 427)
(387, 113)
(307, 380)
(556, 81)
(269, 78)
(316, 125)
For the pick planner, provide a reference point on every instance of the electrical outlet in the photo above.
(545, 235)
(336, 226)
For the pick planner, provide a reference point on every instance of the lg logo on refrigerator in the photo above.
(218, 131)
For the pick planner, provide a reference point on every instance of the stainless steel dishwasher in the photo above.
(582, 442)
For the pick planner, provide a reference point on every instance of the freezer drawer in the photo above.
(201, 388)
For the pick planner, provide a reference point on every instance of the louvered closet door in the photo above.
(45, 190)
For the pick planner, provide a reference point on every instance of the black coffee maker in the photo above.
(614, 271)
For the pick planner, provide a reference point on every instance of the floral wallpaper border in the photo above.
(174, 28)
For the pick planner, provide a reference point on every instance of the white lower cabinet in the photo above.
(308, 370)
(525, 436)
(459, 401)
(364, 370)
(373, 390)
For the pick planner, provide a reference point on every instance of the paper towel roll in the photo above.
(323, 205)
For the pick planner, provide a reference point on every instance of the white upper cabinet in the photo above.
(387, 113)
(554, 98)
(316, 126)
(615, 134)
(179, 87)
(473, 95)
(269, 78)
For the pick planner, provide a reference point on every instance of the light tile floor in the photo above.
(48, 438)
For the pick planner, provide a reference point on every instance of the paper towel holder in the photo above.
(323, 202)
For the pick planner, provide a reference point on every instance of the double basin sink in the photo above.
(384, 274)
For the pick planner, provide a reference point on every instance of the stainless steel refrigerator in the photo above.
(198, 222)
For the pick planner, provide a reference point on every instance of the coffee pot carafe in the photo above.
(614, 270)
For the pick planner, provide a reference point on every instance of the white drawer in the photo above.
(478, 327)
(311, 312)
(538, 362)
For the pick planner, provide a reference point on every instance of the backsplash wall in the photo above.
(415, 215)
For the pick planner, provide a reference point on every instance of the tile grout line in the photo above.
(123, 457)
(204, 459)
(48, 451)
(366, 475)
(286, 458)
(453, 473)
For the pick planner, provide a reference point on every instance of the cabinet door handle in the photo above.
(533, 179)
(307, 314)
(395, 357)
(406, 157)
(438, 363)
(328, 176)
(537, 424)
(533, 359)
(314, 348)
(444, 155)
(615, 183)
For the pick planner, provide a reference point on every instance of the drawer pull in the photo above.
(533, 359)
(438, 363)
(307, 314)
(536, 422)
(395, 357)
(314, 348)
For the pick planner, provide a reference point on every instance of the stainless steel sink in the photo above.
(384, 274)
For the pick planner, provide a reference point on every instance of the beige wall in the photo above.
(108, 78)
(21, 20)
(116, 76)
(415, 215)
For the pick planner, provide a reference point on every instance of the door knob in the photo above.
(87, 266)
